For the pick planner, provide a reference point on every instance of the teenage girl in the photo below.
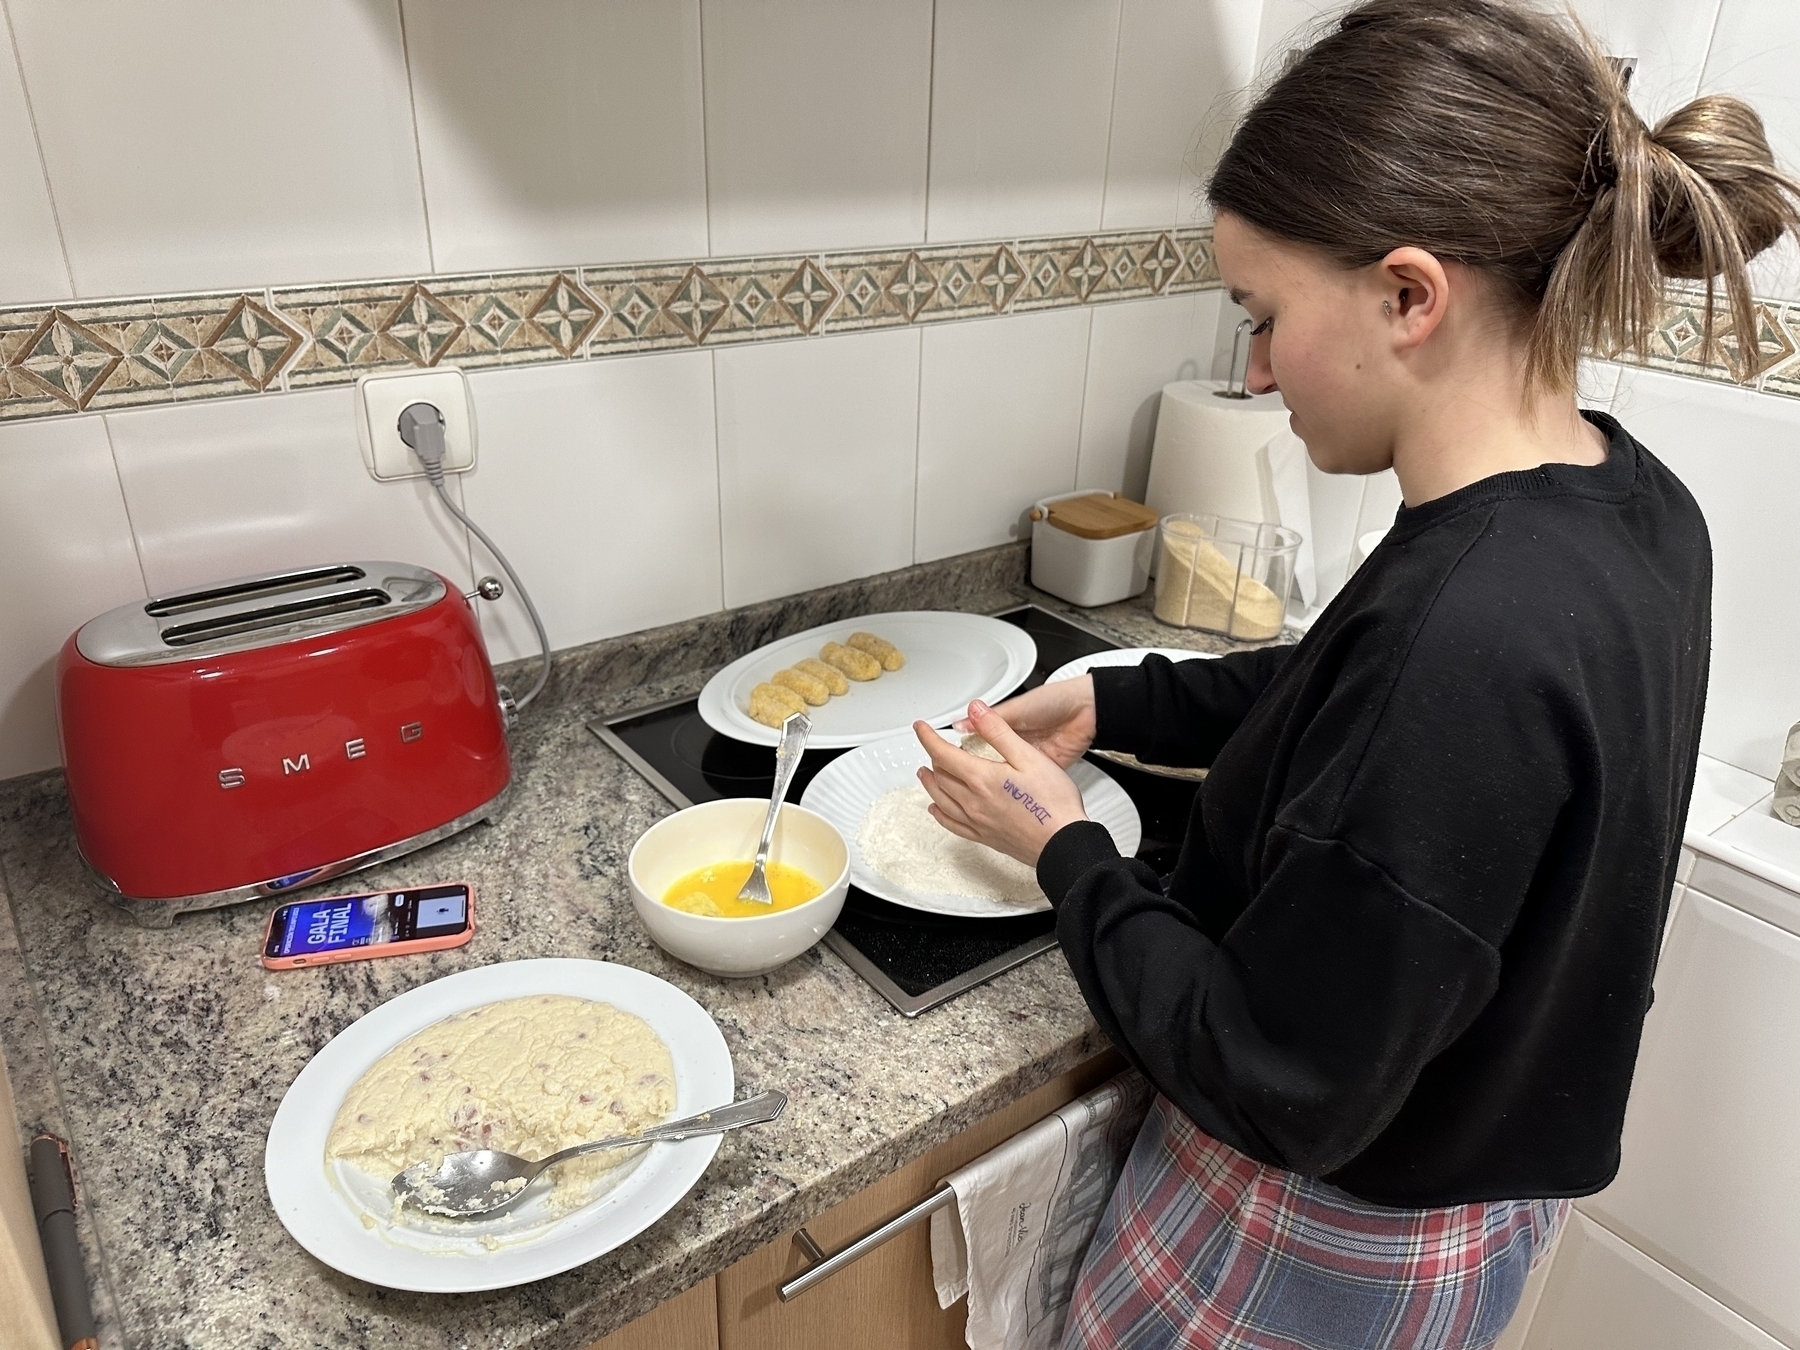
(1391, 996)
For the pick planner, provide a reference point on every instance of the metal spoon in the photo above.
(483, 1180)
(794, 732)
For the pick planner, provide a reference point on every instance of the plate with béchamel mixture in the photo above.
(526, 1056)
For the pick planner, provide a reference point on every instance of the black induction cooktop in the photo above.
(915, 960)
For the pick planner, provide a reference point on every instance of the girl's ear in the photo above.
(1415, 290)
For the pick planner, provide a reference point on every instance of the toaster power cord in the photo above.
(422, 427)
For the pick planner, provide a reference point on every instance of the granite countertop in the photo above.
(163, 1054)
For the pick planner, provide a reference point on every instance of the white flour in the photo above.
(901, 841)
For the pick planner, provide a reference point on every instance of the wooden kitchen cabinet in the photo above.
(688, 1321)
(885, 1301)
(25, 1309)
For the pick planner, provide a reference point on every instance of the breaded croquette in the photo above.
(771, 704)
(890, 656)
(978, 747)
(857, 665)
(831, 676)
(810, 687)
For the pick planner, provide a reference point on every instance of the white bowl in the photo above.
(727, 831)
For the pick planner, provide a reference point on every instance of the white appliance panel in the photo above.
(1603, 1295)
(1710, 1185)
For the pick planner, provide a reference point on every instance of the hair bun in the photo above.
(1711, 174)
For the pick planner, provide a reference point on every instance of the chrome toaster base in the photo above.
(160, 913)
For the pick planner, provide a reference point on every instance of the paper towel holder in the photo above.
(1236, 386)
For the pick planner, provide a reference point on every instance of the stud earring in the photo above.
(1387, 308)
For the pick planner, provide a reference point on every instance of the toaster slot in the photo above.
(248, 592)
(260, 611)
(273, 616)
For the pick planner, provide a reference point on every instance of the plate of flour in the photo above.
(899, 853)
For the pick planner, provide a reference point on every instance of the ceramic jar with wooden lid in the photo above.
(1091, 548)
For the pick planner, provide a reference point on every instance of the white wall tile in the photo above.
(1669, 39)
(66, 554)
(1735, 450)
(559, 131)
(1755, 50)
(818, 115)
(239, 486)
(1286, 25)
(818, 456)
(1136, 349)
(1777, 272)
(999, 426)
(1022, 96)
(206, 143)
(31, 260)
(1596, 382)
(600, 480)
(1182, 70)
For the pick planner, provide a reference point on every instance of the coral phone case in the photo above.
(346, 911)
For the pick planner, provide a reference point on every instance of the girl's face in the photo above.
(1322, 339)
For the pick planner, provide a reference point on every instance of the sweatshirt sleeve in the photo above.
(1304, 1029)
(1179, 712)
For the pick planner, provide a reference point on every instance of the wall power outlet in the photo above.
(379, 400)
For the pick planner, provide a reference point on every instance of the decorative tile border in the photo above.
(94, 356)
(1680, 340)
(91, 356)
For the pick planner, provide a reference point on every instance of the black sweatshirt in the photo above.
(1408, 945)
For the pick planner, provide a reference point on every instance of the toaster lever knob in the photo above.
(488, 588)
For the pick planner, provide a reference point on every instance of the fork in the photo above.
(794, 732)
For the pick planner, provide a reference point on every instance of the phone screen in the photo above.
(310, 927)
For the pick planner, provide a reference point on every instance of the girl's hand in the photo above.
(1057, 719)
(1014, 806)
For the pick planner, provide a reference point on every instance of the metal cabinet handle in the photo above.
(823, 1267)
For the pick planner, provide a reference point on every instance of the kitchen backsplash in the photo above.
(125, 353)
(755, 295)
(113, 354)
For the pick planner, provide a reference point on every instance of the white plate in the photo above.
(951, 658)
(1132, 656)
(326, 1206)
(845, 789)
(1123, 656)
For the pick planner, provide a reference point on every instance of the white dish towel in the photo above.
(1025, 1214)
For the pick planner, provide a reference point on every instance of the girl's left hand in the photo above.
(1014, 806)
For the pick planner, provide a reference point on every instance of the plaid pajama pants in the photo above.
(1203, 1248)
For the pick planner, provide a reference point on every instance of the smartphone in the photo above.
(362, 927)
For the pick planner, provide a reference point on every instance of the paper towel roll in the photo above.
(1289, 492)
(1204, 458)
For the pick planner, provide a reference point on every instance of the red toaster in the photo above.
(248, 738)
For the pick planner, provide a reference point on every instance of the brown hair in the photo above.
(1501, 137)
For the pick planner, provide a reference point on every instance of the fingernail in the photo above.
(978, 709)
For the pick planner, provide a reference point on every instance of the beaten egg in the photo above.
(712, 891)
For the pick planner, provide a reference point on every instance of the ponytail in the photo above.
(1695, 199)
